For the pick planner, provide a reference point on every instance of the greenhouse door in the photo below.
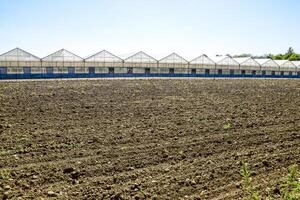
(111, 70)
(91, 70)
(147, 71)
(207, 71)
(171, 71)
(129, 70)
(193, 71)
(273, 73)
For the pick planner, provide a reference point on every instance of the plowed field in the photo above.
(145, 139)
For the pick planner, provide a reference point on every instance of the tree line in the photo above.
(289, 55)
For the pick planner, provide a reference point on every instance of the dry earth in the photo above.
(145, 139)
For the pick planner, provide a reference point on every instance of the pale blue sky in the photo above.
(158, 27)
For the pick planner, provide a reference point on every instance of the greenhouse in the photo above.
(297, 64)
(141, 63)
(202, 65)
(63, 62)
(226, 65)
(173, 64)
(268, 66)
(19, 62)
(104, 62)
(248, 66)
(286, 67)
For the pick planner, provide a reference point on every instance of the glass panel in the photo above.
(71, 70)
(49, 70)
(3, 70)
(27, 70)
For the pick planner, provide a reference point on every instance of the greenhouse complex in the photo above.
(19, 64)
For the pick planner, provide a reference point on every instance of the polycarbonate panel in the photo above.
(270, 63)
(62, 56)
(173, 58)
(262, 61)
(103, 56)
(296, 63)
(227, 61)
(18, 54)
(248, 61)
(202, 60)
(140, 57)
(285, 63)
(217, 59)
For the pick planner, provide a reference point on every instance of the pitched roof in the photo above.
(62, 56)
(18, 54)
(141, 57)
(203, 59)
(266, 62)
(247, 61)
(262, 60)
(224, 60)
(243, 59)
(173, 58)
(285, 63)
(104, 56)
(297, 63)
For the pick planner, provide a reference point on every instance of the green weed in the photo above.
(289, 187)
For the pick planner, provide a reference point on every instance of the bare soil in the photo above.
(145, 139)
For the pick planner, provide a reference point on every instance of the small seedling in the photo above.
(227, 126)
(5, 174)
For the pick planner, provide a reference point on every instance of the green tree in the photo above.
(290, 51)
(278, 57)
(294, 57)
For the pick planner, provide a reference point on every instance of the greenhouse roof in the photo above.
(217, 59)
(141, 57)
(18, 54)
(103, 56)
(173, 58)
(203, 59)
(62, 56)
(225, 60)
(242, 60)
(285, 63)
(266, 61)
(246, 61)
(262, 60)
(297, 63)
